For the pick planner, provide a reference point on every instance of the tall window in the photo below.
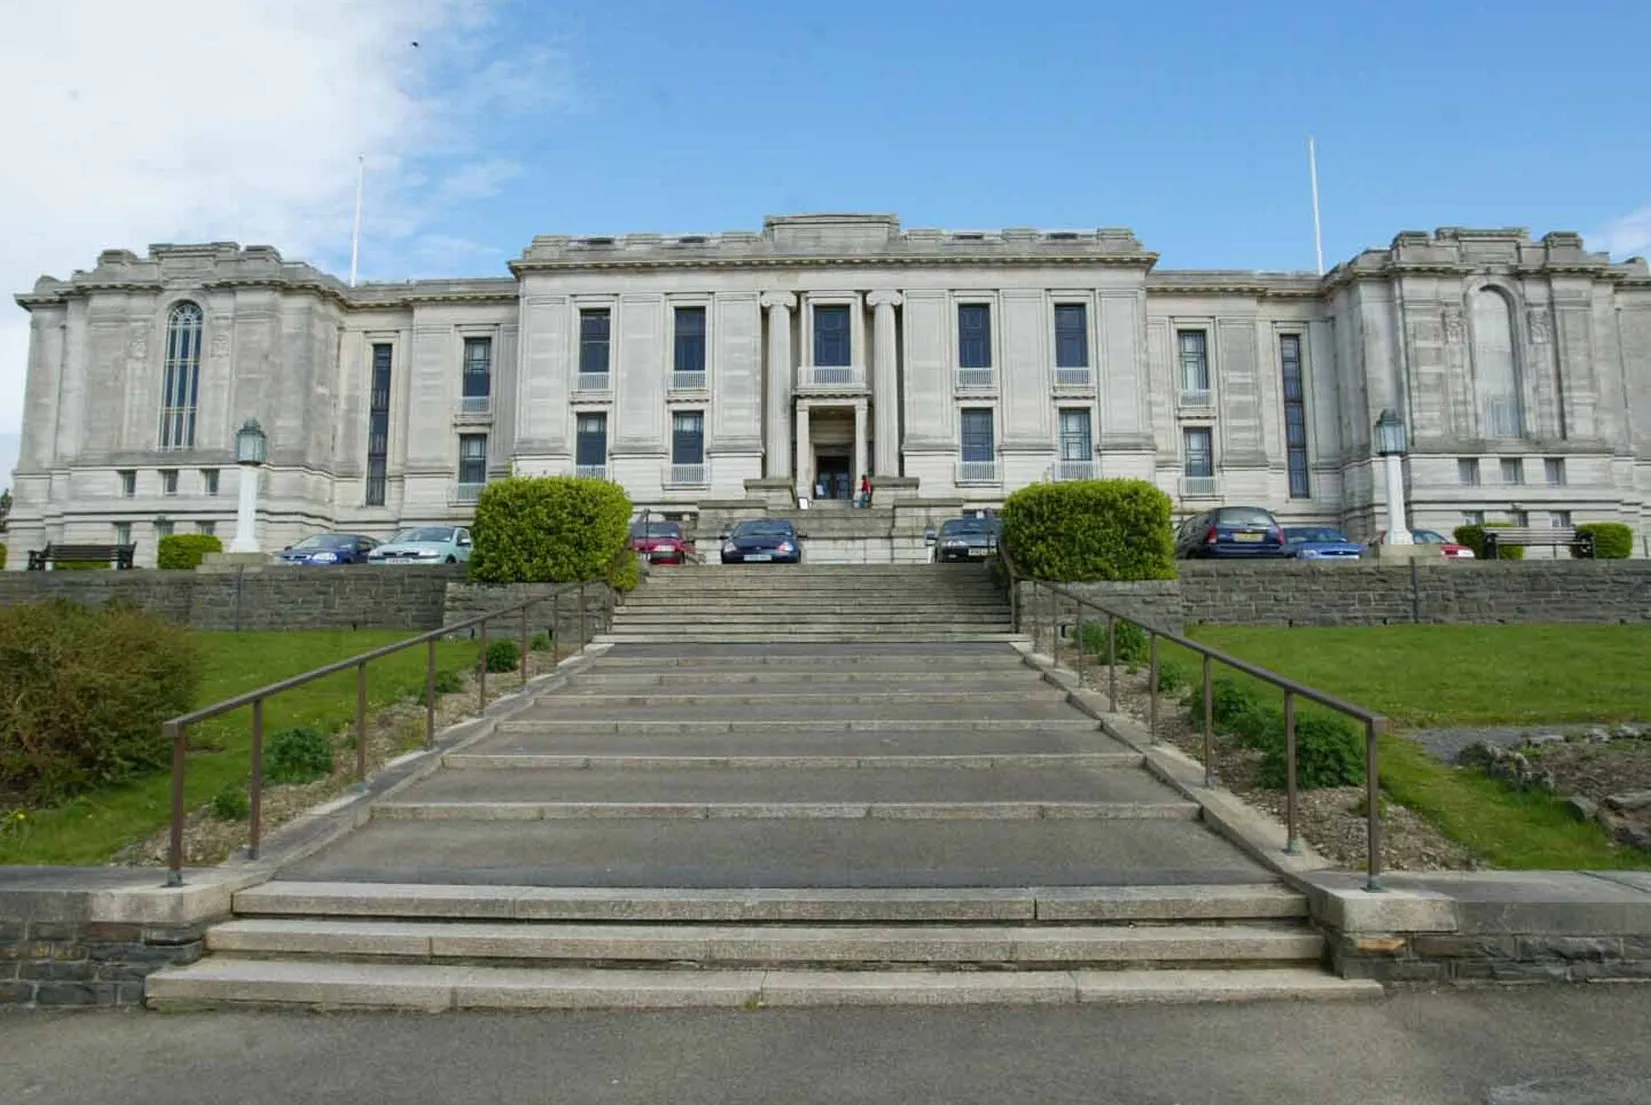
(690, 339)
(1076, 442)
(831, 337)
(1494, 365)
(169, 481)
(128, 482)
(1195, 360)
(478, 373)
(472, 458)
(688, 438)
(1071, 335)
(1295, 415)
(1199, 451)
(180, 390)
(594, 335)
(209, 480)
(974, 335)
(978, 444)
(591, 450)
(1554, 469)
(1513, 470)
(1467, 471)
(378, 426)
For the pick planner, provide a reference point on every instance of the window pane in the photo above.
(1467, 471)
(593, 340)
(1071, 335)
(1295, 414)
(1195, 369)
(1075, 440)
(472, 458)
(690, 339)
(591, 449)
(181, 377)
(831, 337)
(688, 437)
(974, 335)
(978, 445)
(478, 367)
(378, 424)
(1200, 459)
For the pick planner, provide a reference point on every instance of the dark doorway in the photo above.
(835, 473)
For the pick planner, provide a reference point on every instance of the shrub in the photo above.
(625, 573)
(539, 642)
(83, 693)
(185, 550)
(1129, 641)
(1172, 677)
(502, 656)
(2, 556)
(447, 682)
(232, 803)
(1090, 529)
(1474, 538)
(549, 529)
(1329, 753)
(1612, 540)
(297, 756)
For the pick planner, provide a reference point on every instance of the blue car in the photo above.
(1247, 531)
(329, 549)
(1319, 543)
(762, 541)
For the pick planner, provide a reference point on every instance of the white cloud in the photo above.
(1629, 236)
(209, 120)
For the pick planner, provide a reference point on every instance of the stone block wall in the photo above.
(558, 617)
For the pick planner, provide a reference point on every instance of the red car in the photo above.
(1451, 549)
(661, 542)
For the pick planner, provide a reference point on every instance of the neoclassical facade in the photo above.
(698, 369)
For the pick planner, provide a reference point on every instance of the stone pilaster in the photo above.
(859, 444)
(780, 373)
(885, 382)
(804, 469)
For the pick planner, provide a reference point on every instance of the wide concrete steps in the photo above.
(784, 635)
(802, 746)
(610, 680)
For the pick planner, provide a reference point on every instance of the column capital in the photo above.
(884, 298)
(779, 299)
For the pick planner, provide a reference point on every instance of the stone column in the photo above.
(885, 385)
(780, 372)
(859, 445)
(805, 474)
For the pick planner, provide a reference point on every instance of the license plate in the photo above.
(1247, 537)
(977, 552)
(758, 556)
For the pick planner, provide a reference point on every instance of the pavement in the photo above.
(1583, 1045)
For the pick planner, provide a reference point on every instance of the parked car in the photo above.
(1230, 531)
(1319, 543)
(424, 545)
(1451, 550)
(661, 542)
(328, 549)
(966, 539)
(762, 541)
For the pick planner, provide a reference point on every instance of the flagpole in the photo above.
(355, 236)
(1313, 171)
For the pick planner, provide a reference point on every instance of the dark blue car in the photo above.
(762, 541)
(1319, 543)
(1237, 531)
(328, 549)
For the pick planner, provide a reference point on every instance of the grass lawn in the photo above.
(90, 829)
(1437, 676)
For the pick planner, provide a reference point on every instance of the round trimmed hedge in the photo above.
(1090, 530)
(550, 529)
(1612, 540)
(184, 551)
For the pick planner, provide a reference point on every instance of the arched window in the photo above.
(181, 390)
(1494, 363)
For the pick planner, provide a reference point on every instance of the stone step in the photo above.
(716, 604)
(832, 695)
(898, 658)
(763, 945)
(788, 744)
(220, 981)
(1066, 761)
(551, 722)
(822, 637)
(1062, 904)
(788, 623)
(1002, 677)
(824, 712)
(410, 810)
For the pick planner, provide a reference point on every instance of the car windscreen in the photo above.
(1243, 516)
(1301, 535)
(656, 529)
(326, 541)
(762, 529)
(424, 533)
(1427, 537)
(959, 527)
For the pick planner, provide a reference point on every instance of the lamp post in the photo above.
(250, 449)
(1390, 443)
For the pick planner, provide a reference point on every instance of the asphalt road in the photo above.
(1581, 1045)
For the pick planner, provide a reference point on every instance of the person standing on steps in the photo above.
(865, 491)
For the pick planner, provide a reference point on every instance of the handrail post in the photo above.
(257, 777)
(1292, 847)
(361, 722)
(1373, 811)
(179, 736)
(1209, 725)
(555, 626)
(1152, 685)
(1081, 643)
(1014, 596)
(1112, 663)
(430, 694)
(523, 643)
(481, 675)
(581, 616)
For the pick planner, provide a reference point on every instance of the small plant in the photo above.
(231, 803)
(298, 756)
(502, 656)
(449, 682)
(1172, 677)
(1129, 642)
(1329, 753)
(539, 642)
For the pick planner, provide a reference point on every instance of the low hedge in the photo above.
(551, 529)
(2, 556)
(185, 551)
(1612, 541)
(1329, 748)
(1474, 538)
(1090, 530)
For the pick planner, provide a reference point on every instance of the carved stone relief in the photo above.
(1455, 330)
(1541, 325)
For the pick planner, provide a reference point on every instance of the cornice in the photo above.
(897, 260)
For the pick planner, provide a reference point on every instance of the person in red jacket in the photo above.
(865, 490)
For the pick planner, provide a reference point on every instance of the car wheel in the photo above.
(451, 559)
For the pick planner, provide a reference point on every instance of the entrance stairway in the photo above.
(887, 819)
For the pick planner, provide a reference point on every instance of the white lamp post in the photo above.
(250, 447)
(1390, 443)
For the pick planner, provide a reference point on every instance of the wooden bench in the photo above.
(118, 555)
(1580, 544)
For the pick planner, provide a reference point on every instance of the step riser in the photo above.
(989, 762)
(788, 811)
(779, 697)
(554, 724)
(891, 660)
(997, 678)
(734, 637)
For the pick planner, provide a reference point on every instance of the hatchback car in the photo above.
(661, 542)
(1319, 543)
(1448, 548)
(326, 549)
(1230, 531)
(424, 545)
(966, 539)
(762, 541)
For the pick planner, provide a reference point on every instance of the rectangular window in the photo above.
(128, 483)
(1295, 415)
(478, 369)
(831, 337)
(1198, 446)
(1519, 518)
(688, 438)
(1076, 442)
(209, 529)
(591, 451)
(169, 481)
(1195, 361)
(978, 444)
(1513, 470)
(1071, 335)
(1473, 517)
(378, 425)
(163, 528)
(690, 339)
(123, 533)
(1554, 469)
(974, 335)
(472, 459)
(1560, 519)
(594, 334)
(209, 481)
(1467, 471)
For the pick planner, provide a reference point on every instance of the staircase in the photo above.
(859, 814)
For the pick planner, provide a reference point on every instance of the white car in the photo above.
(425, 545)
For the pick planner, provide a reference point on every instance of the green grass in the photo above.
(90, 829)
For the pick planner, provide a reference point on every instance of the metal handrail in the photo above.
(176, 730)
(1374, 723)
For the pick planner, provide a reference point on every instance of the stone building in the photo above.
(706, 371)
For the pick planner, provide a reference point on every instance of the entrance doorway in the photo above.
(835, 471)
